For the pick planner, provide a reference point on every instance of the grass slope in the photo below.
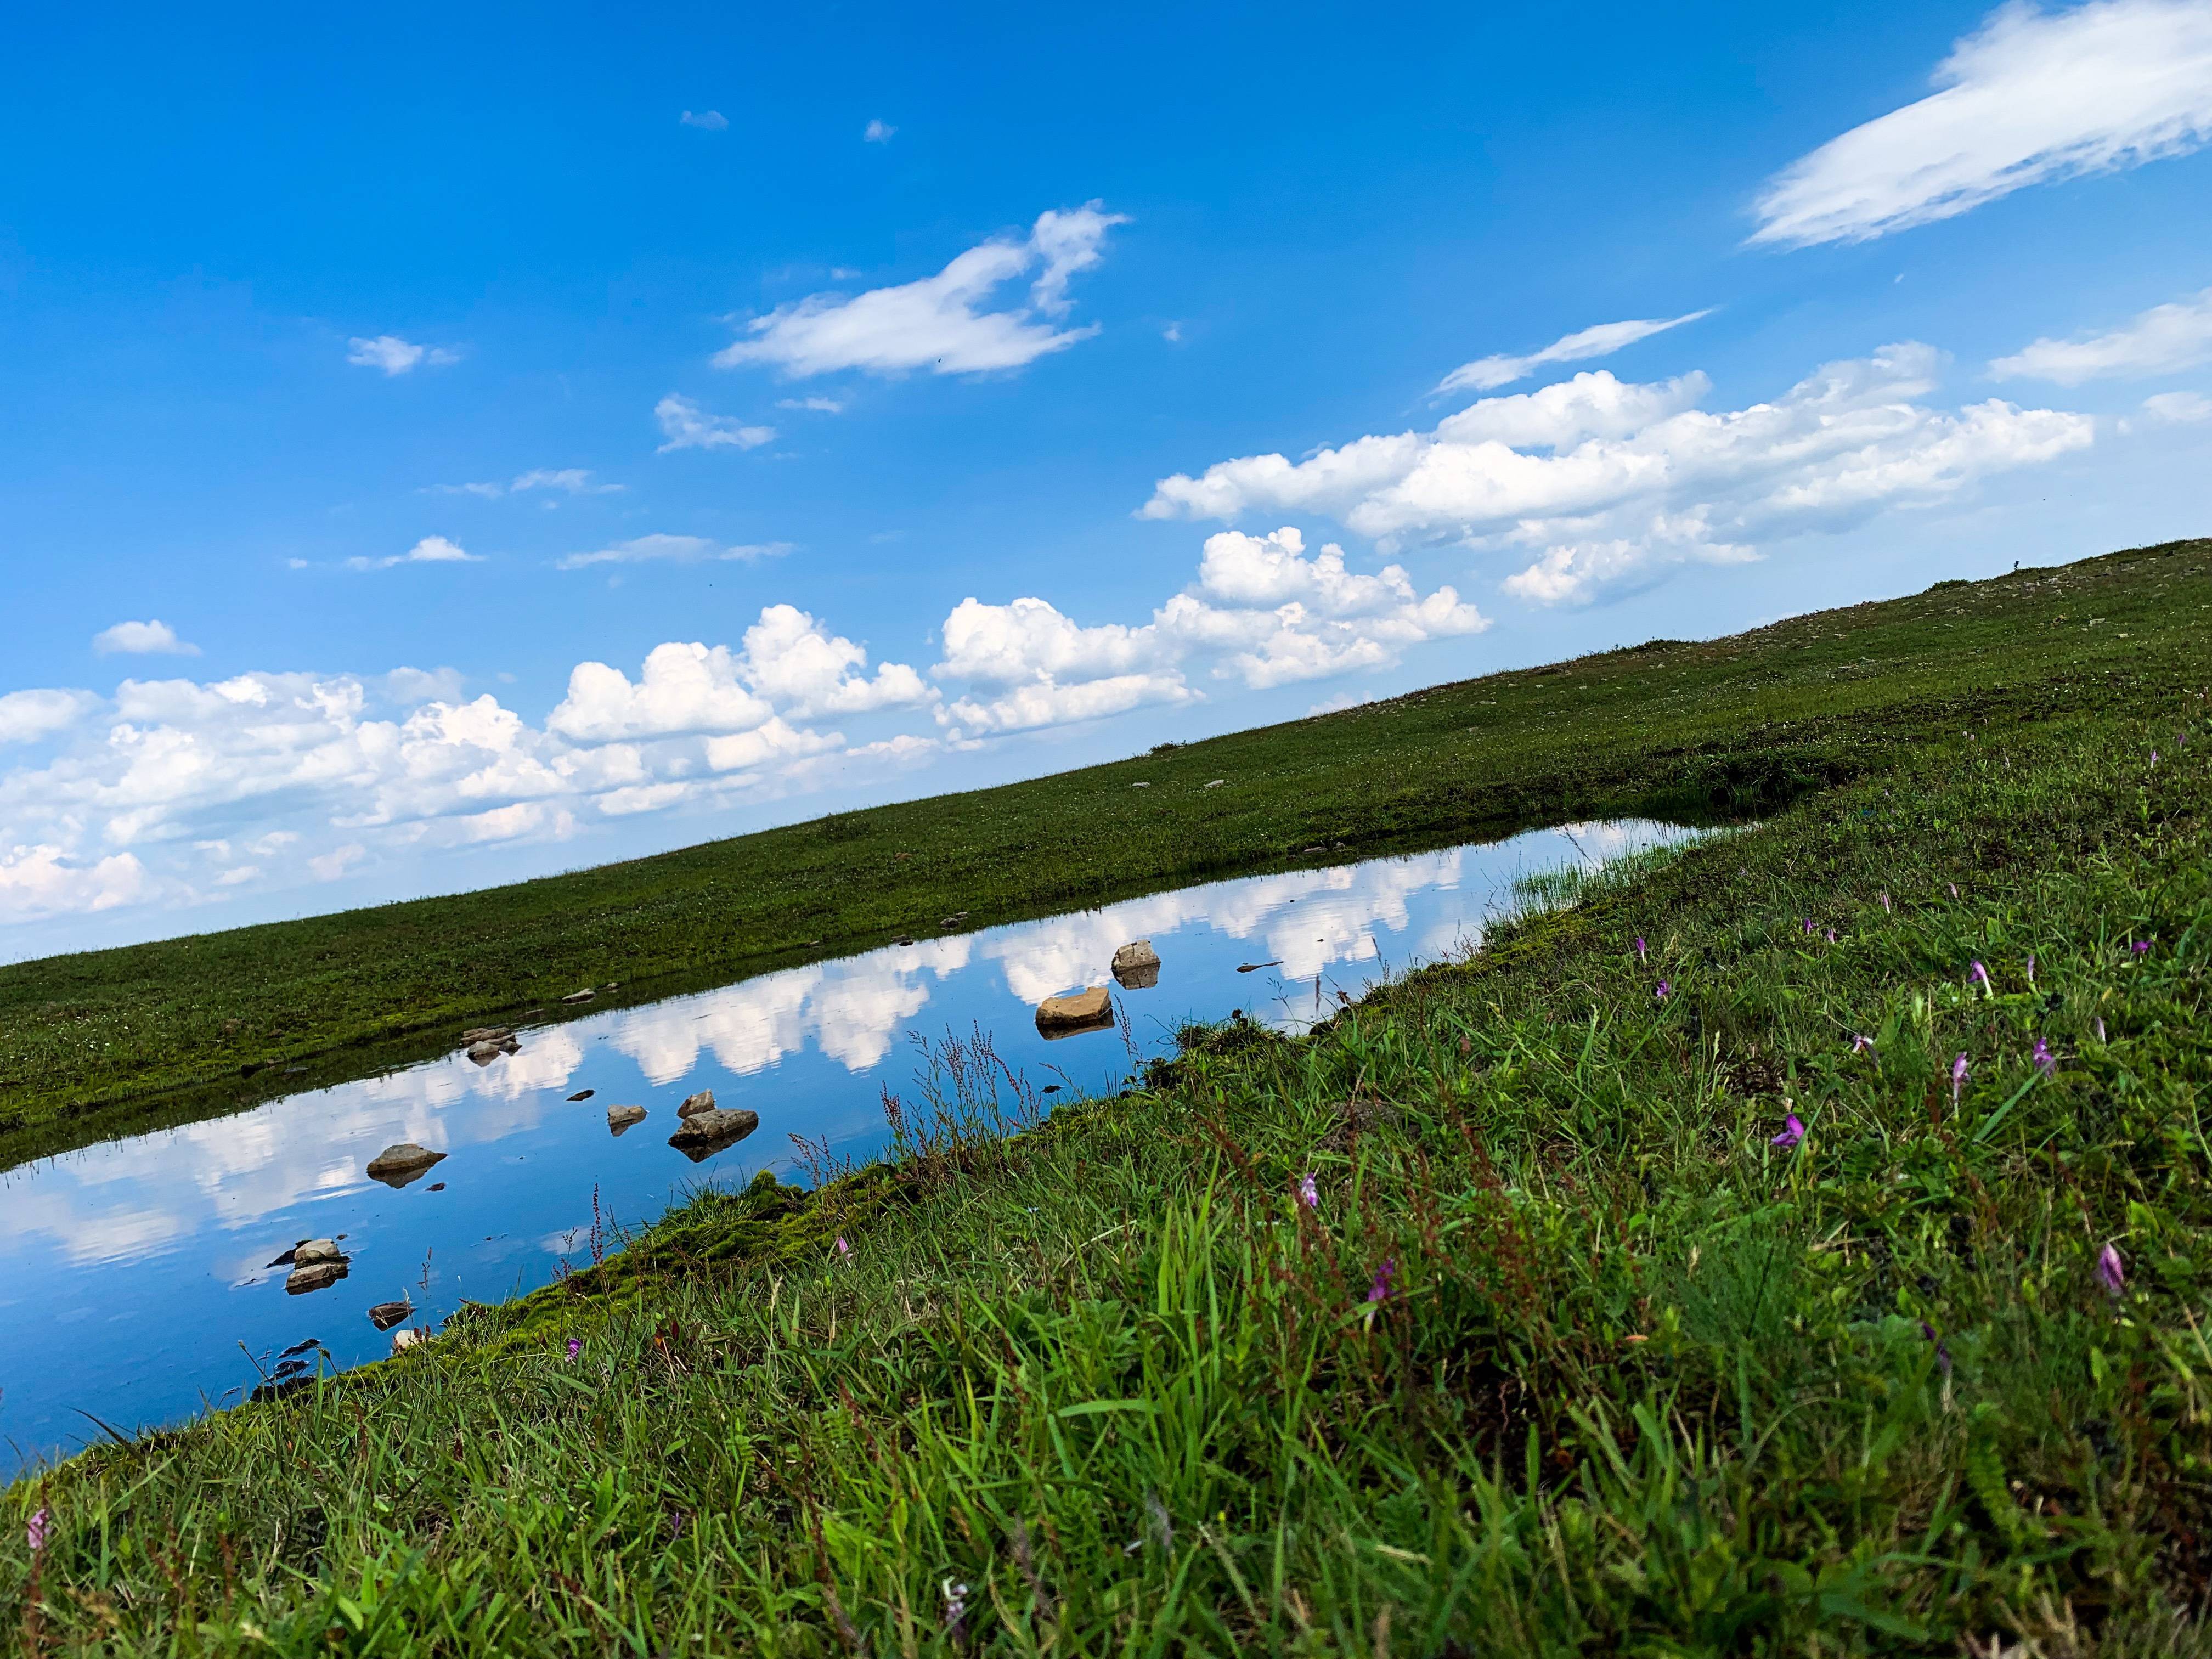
(1565, 1354)
(88, 1043)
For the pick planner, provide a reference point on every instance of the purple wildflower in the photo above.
(1308, 1194)
(1664, 990)
(2101, 1028)
(1953, 886)
(1978, 974)
(2112, 1271)
(2141, 947)
(1641, 954)
(1386, 1277)
(843, 1249)
(1809, 927)
(1862, 1045)
(1885, 903)
(1793, 1131)
(1832, 936)
(1942, 1353)
(41, 1525)
(1959, 1069)
(955, 1605)
(2031, 970)
(575, 1346)
(2045, 1061)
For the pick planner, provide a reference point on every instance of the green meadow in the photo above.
(1795, 1242)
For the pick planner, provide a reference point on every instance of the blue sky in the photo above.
(442, 450)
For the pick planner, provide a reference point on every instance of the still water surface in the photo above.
(133, 1273)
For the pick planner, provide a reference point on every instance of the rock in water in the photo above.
(578, 996)
(705, 1133)
(694, 1104)
(385, 1314)
(485, 1052)
(320, 1276)
(620, 1118)
(1137, 965)
(312, 1252)
(485, 1034)
(583, 1094)
(395, 1166)
(1083, 1011)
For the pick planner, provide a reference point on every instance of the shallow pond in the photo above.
(136, 1277)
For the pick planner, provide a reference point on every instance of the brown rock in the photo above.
(1083, 1011)
(485, 1052)
(321, 1276)
(395, 1166)
(694, 1104)
(1137, 965)
(485, 1034)
(705, 1133)
(578, 996)
(311, 1252)
(620, 1118)
(385, 1314)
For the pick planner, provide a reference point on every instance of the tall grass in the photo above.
(1494, 1318)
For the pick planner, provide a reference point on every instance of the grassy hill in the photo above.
(114, 1041)
(1801, 1245)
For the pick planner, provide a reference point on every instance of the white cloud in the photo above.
(431, 549)
(329, 867)
(687, 426)
(2178, 407)
(2031, 97)
(1262, 611)
(35, 881)
(673, 549)
(393, 355)
(1601, 340)
(2159, 341)
(817, 406)
(711, 120)
(1606, 478)
(26, 716)
(936, 323)
(570, 480)
(142, 638)
(877, 132)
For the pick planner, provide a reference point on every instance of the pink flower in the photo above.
(1957, 1080)
(1793, 1131)
(1664, 990)
(2101, 1028)
(1832, 936)
(843, 1249)
(41, 1525)
(1308, 1194)
(1978, 974)
(2112, 1271)
(1386, 1276)
(1885, 904)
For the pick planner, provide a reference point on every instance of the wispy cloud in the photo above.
(937, 323)
(818, 405)
(2157, 342)
(1601, 340)
(2179, 407)
(395, 355)
(687, 426)
(142, 638)
(711, 120)
(2031, 97)
(877, 132)
(567, 480)
(431, 549)
(677, 549)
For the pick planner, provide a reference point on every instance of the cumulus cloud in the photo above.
(2030, 98)
(1263, 611)
(877, 132)
(1606, 478)
(1601, 340)
(939, 323)
(142, 638)
(431, 549)
(393, 355)
(711, 120)
(687, 426)
(673, 549)
(2159, 341)
(179, 791)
